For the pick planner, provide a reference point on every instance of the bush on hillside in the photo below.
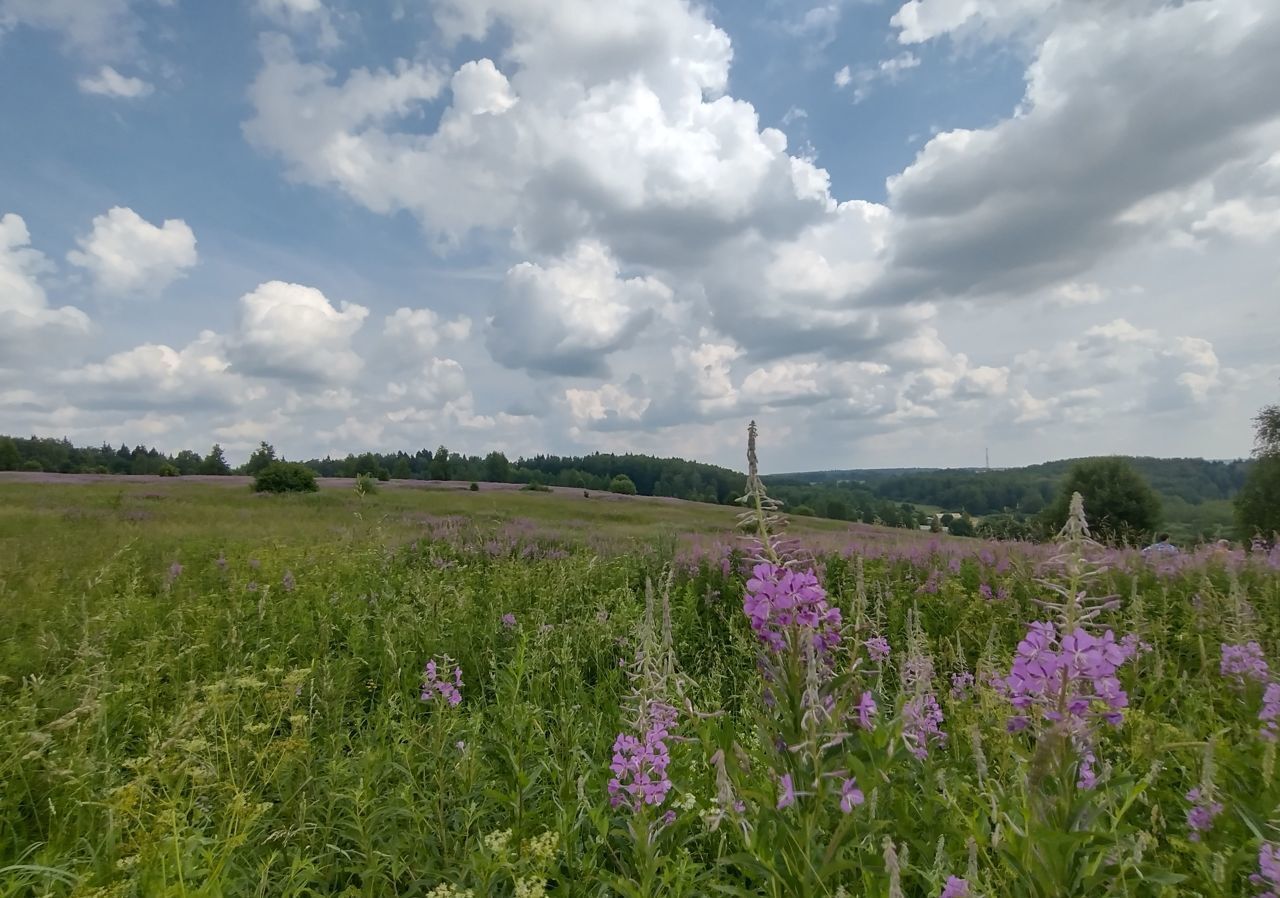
(285, 477)
(366, 484)
(169, 471)
(1118, 502)
(622, 484)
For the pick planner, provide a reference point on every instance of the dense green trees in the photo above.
(1119, 503)
(1258, 504)
(622, 484)
(215, 462)
(285, 477)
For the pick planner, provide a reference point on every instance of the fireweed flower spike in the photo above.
(850, 795)
(1268, 876)
(955, 887)
(435, 686)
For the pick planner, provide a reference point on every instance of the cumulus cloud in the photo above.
(1048, 192)
(292, 332)
(611, 124)
(415, 332)
(156, 376)
(29, 326)
(110, 83)
(438, 382)
(566, 318)
(127, 255)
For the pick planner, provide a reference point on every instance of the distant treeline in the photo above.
(650, 476)
(1028, 490)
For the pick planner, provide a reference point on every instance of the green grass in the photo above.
(251, 724)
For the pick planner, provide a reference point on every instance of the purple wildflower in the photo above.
(640, 764)
(922, 724)
(866, 709)
(288, 582)
(786, 792)
(1202, 812)
(668, 818)
(175, 571)
(985, 591)
(1268, 875)
(435, 686)
(1086, 776)
(850, 795)
(1270, 713)
(960, 684)
(508, 620)
(1067, 676)
(780, 601)
(1244, 662)
(955, 887)
(877, 648)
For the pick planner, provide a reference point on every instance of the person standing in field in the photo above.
(1161, 546)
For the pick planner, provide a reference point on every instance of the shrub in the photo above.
(366, 484)
(803, 511)
(169, 471)
(536, 486)
(32, 465)
(622, 484)
(1258, 502)
(475, 487)
(1119, 503)
(285, 477)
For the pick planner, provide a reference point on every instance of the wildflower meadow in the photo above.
(305, 696)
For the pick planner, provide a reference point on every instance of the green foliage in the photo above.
(803, 511)
(496, 468)
(1258, 505)
(285, 477)
(474, 487)
(213, 731)
(215, 462)
(32, 465)
(440, 464)
(622, 484)
(10, 460)
(961, 526)
(263, 456)
(1119, 503)
(366, 484)
(535, 486)
(169, 471)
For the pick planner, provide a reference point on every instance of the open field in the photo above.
(435, 692)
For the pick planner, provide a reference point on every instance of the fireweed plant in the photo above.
(391, 694)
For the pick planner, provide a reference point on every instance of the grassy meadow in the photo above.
(439, 692)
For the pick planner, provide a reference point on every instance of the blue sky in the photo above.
(895, 234)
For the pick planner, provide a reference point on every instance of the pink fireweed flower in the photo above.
(850, 795)
(922, 724)
(960, 684)
(1268, 876)
(1201, 814)
(955, 887)
(508, 620)
(866, 709)
(877, 648)
(1066, 677)
(786, 792)
(1244, 662)
(640, 764)
(435, 686)
(780, 601)
(1270, 713)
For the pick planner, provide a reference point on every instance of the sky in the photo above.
(895, 234)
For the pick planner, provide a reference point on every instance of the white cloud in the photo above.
(609, 402)
(568, 317)
(97, 28)
(1050, 192)
(887, 71)
(125, 254)
(158, 376)
(110, 83)
(292, 332)
(304, 16)
(415, 332)
(439, 381)
(29, 327)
